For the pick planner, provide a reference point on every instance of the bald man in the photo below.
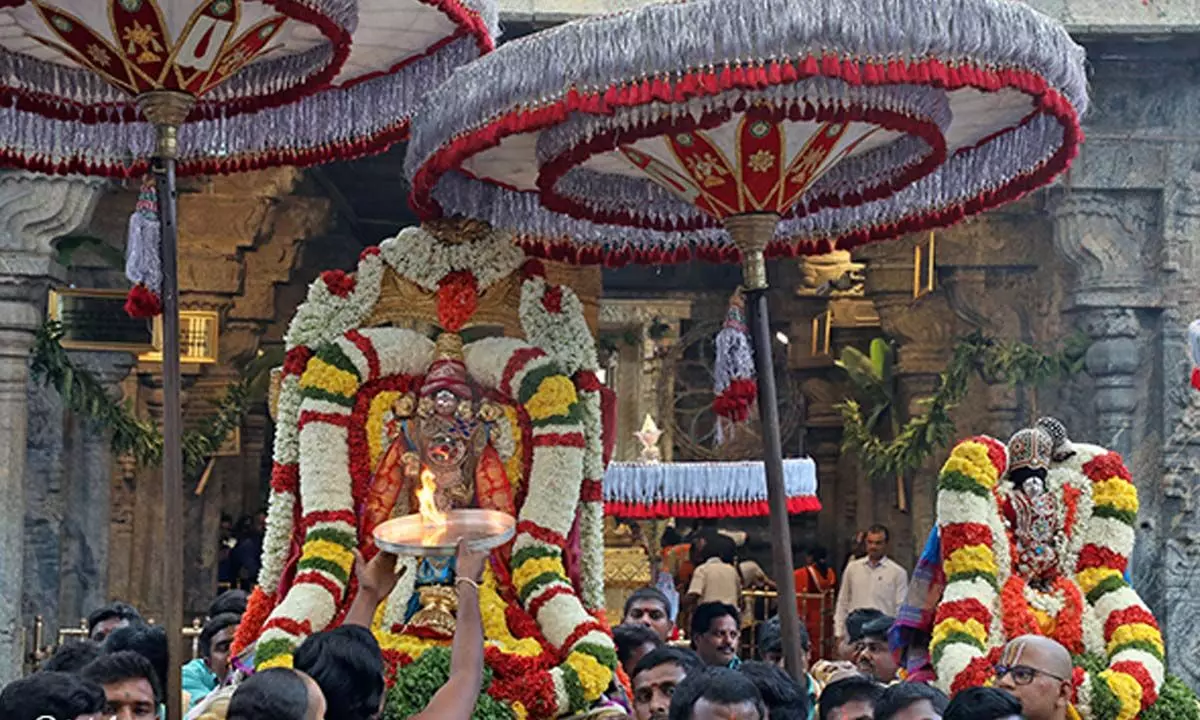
(1037, 670)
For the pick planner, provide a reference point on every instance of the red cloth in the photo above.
(810, 580)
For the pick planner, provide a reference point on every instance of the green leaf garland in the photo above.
(1013, 363)
(83, 394)
(417, 682)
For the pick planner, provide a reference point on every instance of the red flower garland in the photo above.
(735, 400)
(1018, 618)
(142, 302)
(975, 674)
(339, 282)
(457, 299)
(258, 609)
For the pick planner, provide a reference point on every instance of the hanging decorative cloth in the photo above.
(1194, 348)
(733, 370)
(143, 255)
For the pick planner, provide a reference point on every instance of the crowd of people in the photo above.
(706, 677)
(120, 671)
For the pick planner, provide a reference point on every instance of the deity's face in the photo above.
(1034, 486)
(445, 403)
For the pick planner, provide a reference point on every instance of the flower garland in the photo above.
(972, 553)
(1133, 644)
(419, 256)
(553, 319)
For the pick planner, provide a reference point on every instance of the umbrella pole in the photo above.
(167, 111)
(751, 233)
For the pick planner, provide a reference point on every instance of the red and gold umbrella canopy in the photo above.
(275, 82)
(741, 129)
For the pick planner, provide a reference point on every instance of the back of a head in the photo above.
(275, 694)
(347, 665)
(770, 637)
(51, 695)
(685, 658)
(717, 685)
(628, 638)
(113, 611)
(896, 698)
(230, 601)
(982, 703)
(706, 613)
(783, 696)
(857, 619)
(848, 690)
(72, 656)
(149, 641)
(116, 667)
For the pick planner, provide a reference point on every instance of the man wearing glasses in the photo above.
(1037, 670)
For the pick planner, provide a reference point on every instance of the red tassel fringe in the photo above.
(684, 509)
(1196, 378)
(142, 302)
(735, 401)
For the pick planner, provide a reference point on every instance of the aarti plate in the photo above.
(411, 535)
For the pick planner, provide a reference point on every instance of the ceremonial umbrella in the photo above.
(102, 87)
(744, 129)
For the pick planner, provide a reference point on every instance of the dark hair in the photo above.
(982, 703)
(686, 659)
(347, 664)
(877, 528)
(897, 698)
(670, 537)
(275, 694)
(120, 666)
(877, 627)
(702, 618)
(716, 685)
(719, 546)
(783, 696)
(848, 690)
(111, 611)
(149, 641)
(51, 694)
(647, 593)
(72, 656)
(215, 624)
(770, 637)
(230, 601)
(820, 557)
(630, 637)
(857, 619)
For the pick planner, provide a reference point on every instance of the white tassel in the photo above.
(734, 364)
(143, 243)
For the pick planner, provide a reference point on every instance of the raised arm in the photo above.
(456, 700)
(376, 580)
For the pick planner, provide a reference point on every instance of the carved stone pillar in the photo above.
(924, 330)
(34, 211)
(84, 553)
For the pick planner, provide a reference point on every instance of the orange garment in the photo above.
(811, 580)
(677, 561)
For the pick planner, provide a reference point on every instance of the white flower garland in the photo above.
(417, 255)
(564, 334)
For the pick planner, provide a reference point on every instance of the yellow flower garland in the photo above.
(593, 676)
(1117, 493)
(1135, 632)
(1128, 691)
(323, 376)
(971, 459)
(380, 404)
(533, 567)
(554, 397)
(331, 551)
(972, 558)
(948, 626)
(1091, 577)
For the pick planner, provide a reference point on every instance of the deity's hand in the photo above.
(376, 579)
(469, 563)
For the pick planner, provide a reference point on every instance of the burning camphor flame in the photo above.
(433, 518)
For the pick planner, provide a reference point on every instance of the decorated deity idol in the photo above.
(1034, 538)
(375, 421)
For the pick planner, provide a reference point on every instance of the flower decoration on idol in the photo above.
(1194, 351)
(733, 371)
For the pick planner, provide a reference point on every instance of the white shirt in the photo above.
(881, 586)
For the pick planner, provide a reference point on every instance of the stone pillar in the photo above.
(924, 330)
(84, 537)
(34, 211)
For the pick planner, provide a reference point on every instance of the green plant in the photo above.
(82, 393)
(1009, 362)
(872, 376)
